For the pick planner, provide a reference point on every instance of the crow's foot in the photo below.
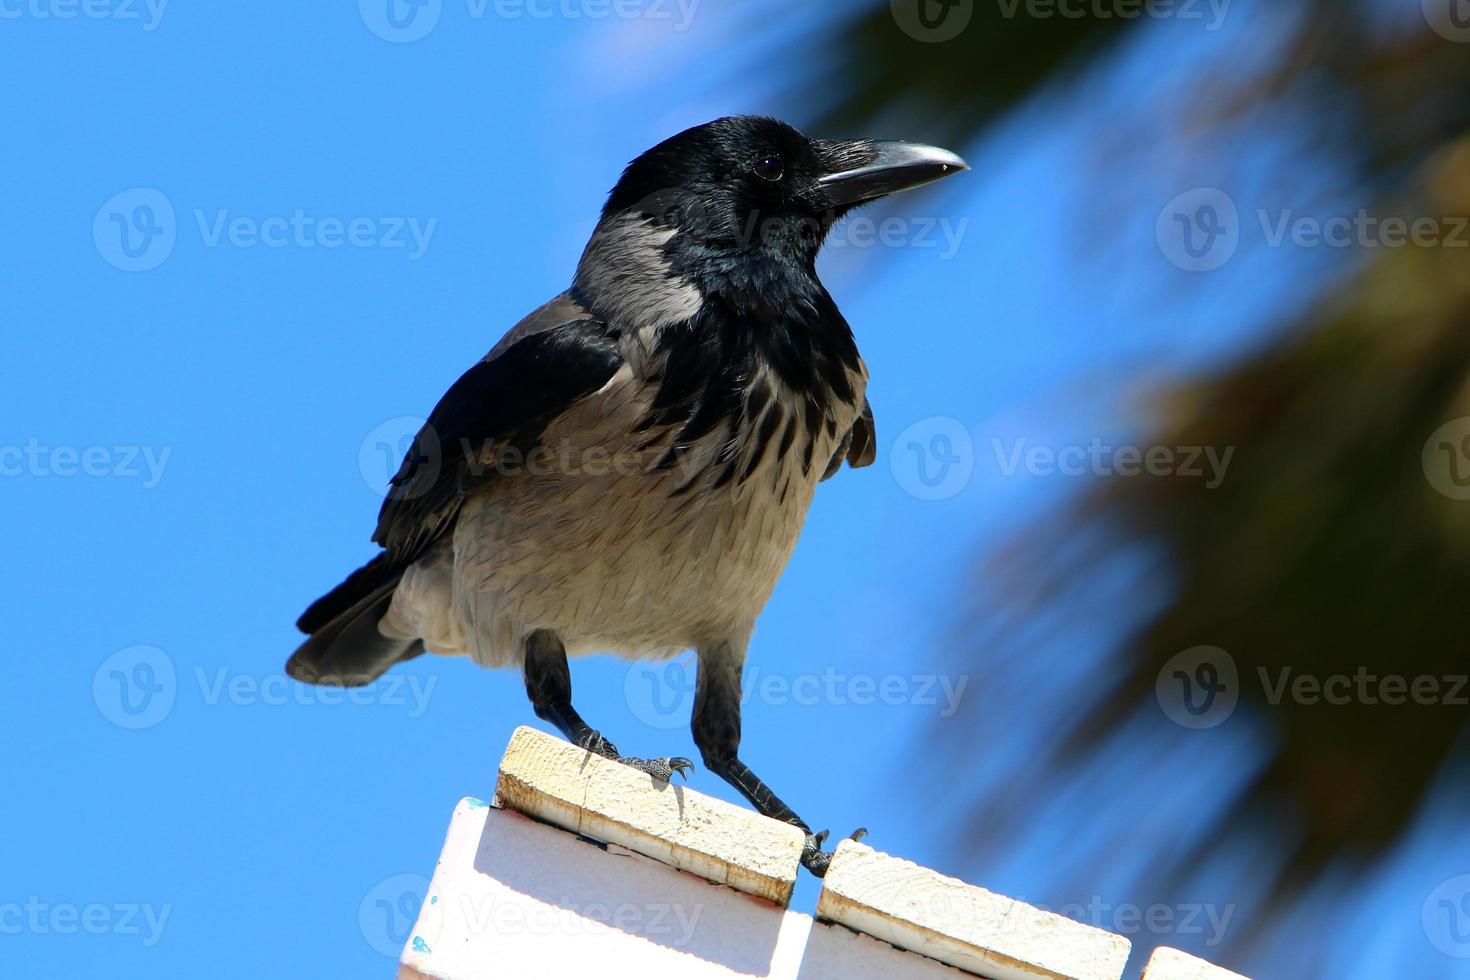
(663, 769)
(592, 741)
(816, 860)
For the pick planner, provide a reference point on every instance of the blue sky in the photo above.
(324, 228)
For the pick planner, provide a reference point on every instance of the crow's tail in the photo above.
(343, 646)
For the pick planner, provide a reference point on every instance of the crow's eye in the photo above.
(771, 168)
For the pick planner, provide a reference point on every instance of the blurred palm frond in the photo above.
(1326, 550)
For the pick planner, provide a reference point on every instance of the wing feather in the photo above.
(859, 445)
(551, 359)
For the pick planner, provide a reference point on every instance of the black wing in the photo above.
(859, 446)
(552, 358)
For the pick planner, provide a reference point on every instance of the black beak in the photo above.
(869, 169)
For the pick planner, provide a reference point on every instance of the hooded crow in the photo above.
(627, 470)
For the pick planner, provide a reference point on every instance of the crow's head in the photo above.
(750, 186)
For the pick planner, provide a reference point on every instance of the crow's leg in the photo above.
(716, 726)
(549, 685)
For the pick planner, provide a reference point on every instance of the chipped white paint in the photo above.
(962, 925)
(555, 781)
(1170, 964)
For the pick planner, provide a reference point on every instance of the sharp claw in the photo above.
(594, 742)
(816, 860)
